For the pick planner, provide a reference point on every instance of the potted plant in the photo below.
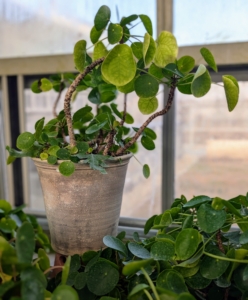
(74, 153)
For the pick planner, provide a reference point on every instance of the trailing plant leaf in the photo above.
(231, 90)
(146, 171)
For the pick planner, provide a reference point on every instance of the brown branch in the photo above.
(67, 101)
(219, 241)
(57, 99)
(226, 293)
(122, 150)
(110, 141)
(124, 110)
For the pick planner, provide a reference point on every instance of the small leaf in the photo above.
(185, 64)
(149, 49)
(209, 58)
(162, 250)
(38, 128)
(148, 105)
(243, 239)
(138, 250)
(102, 17)
(197, 201)
(146, 86)
(45, 85)
(137, 48)
(115, 33)
(63, 154)
(25, 141)
(128, 118)
(67, 168)
(201, 82)
(147, 23)
(231, 90)
(75, 263)
(147, 143)
(99, 50)
(198, 282)
(95, 127)
(137, 289)
(25, 243)
(149, 132)
(149, 224)
(53, 150)
(172, 280)
(134, 266)
(44, 261)
(146, 171)
(80, 281)
(64, 292)
(79, 55)
(35, 87)
(128, 20)
(116, 244)
(156, 71)
(5, 206)
(127, 88)
(95, 35)
(66, 270)
(184, 84)
(115, 110)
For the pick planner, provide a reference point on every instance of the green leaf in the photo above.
(209, 58)
(75, 263)
(80, 281)
(172, 281)
(99, 50)
(185, 296)
(149, 132)
(197, 201)
(147, 143)
(187, 243)
(138, 250)
(115, 110)
(146, 171)
(38, 128)
(212, 268)
(148, 105)
(45, 85)
(128, 20)
(53, 150)
(137, 48)
(210, 219)
(66, 270)
(156, 71)
(166, 49)
(115, 244)
(127, 88)
(243, 239)
(185, 64)
(184, 84)
(231, 88)
(201, 82)
(5, 206)
(137, 289)
(64, 292)
(25, 243)
(25, 141)
(63, 154)
(102, 17)
(102, 278)
(35, 87)
(95, 35)
(198, 282)
(44, 261)
(7, 225)
(95, 127)
(94, 96)
(128, 118)
(149, 224)
(80, 114)
(231, 208)
(147, 23)
(134, 266)
(162, 250)
(115, 33)
(67, 168)
(119, 66)
(149, 49)
(79, 55)
(171, 69)
(82, 147)
(146, 86)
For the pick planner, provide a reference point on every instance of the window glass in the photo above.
(211, 145)
(33, 28)
(199, 22)
(142, 197)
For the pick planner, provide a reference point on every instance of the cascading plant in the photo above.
(130, 63)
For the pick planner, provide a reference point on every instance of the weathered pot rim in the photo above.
(122, 160)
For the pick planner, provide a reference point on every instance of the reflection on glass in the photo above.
(199, 22)
(33, 28)
(211, 145)
(142, 197)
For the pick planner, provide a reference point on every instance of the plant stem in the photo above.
(241, 261)
(122, 150)
(124, 110)
(151, 284)
(147, 294)
(57, 99)
(52, 268)
(67, 101)
(219, 241)
(110, 141)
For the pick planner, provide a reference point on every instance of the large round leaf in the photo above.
(102, 278)
(187, 243)
(115, 33)
(79, 55)
(231, 90)
(210, 219)
(162, 250)
(166, 50)
(67, 168)
(45, 85)
(99, 51)
(201, 82)
(119, 67)
(147, 105)
(102, 17)
(184, 84)
(171, 280)
(25, 141)
(146, 86)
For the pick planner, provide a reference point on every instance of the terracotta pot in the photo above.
(84, 207)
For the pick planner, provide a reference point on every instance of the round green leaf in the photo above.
(197, 281)
(187, 243)
(53, 150)
(127, 88)
(209, 58)
(25, 141)
(35, 87)
(149, 49)
(25, 243)
(79, 55)
(147, 143)
(148, 105)
(210, 219)
(82, 147)
(212, 268)
(172, 280)
(7, 225)
(137, 48)
(134, 266)
(138, 250)
(239, 277)
(45, 85)
(115, 33)
(94, 96)
(80, 281)
(185, 296)
(43, 156)
(187, 272)
(128, 118)
(64, 292)
(156, 71)
(102, 278)
(67, 168)
(71, 278)
(44, 261)
(95, 35)
(184, 84)
(115, 244)
(146, 171)
(201, 82)
(149, 132)
(52, 160)
(102, 17)
(99, 50)
(63, 154)
(119, 66)
(166, 49)
(185, 64)
(137, 290)
(231, 88)
(146, 86)
(162, 251)
(147, 23)
(5, 206)
(79, 114)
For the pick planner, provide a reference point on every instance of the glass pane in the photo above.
(33, 28)
(142, 197)
(211, 145)
(199, 22)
